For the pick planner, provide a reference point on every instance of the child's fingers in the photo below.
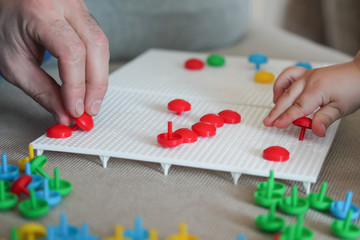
(285, 79)
(323, 118)
(307, 102)
(285, 101)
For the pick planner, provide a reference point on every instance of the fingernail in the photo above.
(95, 107)
(79, 107)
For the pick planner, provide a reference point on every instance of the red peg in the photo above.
(169, 139)
(194, 64)
(230, 116)
(204, 129)
(188, 135)
(20, 185)
(58, 131)
(179, 106)
(85, 122)
(213, 119)
(304, 123)
(276, 154)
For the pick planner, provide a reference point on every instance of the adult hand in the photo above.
(67, 30)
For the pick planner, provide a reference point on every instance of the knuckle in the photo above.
(75, 52)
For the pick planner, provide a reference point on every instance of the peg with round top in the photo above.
(59, 131)
(319, 201)
(7, 172)
(20, 185)
(269, 222)
(119, 234)
(213, 119)
(267, 196)
(22, 162)
(33, 207)
(276, 186)
(60, 185)
(297, 231)
(344, 228)
(138, 232)
(178, 106)
(7, 199)
(169, 139)
(37, 163)
(36, 181)
(84, 233)
(53, 198)
(258, 59)
(194, 64)
(183, 234)
(32, 231)
(293, 204)
(304, 123)
(64, 230)
(85, 122)
(340, 209)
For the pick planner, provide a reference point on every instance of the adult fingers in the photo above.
(59, 38)
(285, 79)
(323, 118)
(97, 56)
(40, 86)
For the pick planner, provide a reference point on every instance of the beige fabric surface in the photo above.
(208, 201)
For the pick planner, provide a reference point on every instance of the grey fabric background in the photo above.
(133, 26)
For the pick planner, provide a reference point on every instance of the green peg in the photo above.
(267, 196)
(293, 204)
(344, 228)
(7, 199)
(270, 222)
(215, 60)
(37, 163)
(33, 207)
(319, 201)
(14, 234)
(61, 186)
(277, 186)
(297, 231)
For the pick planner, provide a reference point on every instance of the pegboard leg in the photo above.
(307, 186)
(104, 160)
(39, 152)
(165, 167)
(236, 177)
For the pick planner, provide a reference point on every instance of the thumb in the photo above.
(323, 118)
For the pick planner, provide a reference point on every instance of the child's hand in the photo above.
(299, 92)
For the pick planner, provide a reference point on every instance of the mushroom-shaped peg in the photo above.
(7, 172)
(64, 230)
(213, 119)
(340, 209)
(320, 201)
(268, 195)
(37, 180)
(204, 129)
(138, 232)
(60, 185)
(269, 222)
(14, 234)
(304, 65)
(179, 106)
(188, 135)
(33, 207)
(153, 234)
(7, 200)
(169, 139)
(297, 231)
(277, 187)
(294, 205)
(194, 64)
(215, 60)
(85, 233)
(23, 161)
(85, 122)
(20, 185)
(37, 163)
(345, 229)
(119, 234)
(52, 197)
(182, 235)
(32, 231)
(304, 123)
(58, 131)
(258, 59)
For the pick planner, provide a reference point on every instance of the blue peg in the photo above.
(37, 180)
(258, 59)
(340, 208)
(52, 197)
(138, 233)
(8, 172)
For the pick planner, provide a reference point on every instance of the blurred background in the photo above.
(334, 23)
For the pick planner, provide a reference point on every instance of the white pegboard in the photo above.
(134, 112)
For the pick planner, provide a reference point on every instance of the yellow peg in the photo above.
(153, 234)
(32, 231)
(119, 231)
(264, 77)
(23, 161)
(182, 235)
